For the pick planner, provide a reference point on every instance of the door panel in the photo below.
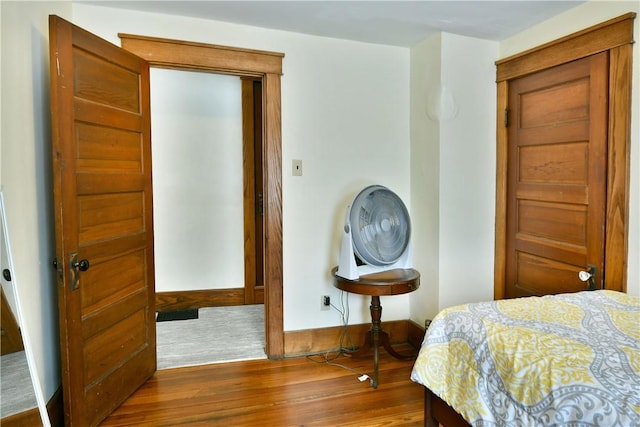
(103, 213)
(534, 272)
(562, 224)
(557, 177)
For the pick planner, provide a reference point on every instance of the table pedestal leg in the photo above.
(376, 337)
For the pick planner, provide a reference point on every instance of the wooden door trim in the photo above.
(615, 37)
(184, 55)
(177, 54)
(598, 38)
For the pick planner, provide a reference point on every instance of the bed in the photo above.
(563, 360)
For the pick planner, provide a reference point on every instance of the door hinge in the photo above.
(506, 117)
(260, 204)
(59, 272)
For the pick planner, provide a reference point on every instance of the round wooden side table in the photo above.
(390, 282)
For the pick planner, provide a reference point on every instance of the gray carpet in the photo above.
(220, 334)
(16, 394)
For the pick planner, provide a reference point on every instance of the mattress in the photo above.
(565, 360)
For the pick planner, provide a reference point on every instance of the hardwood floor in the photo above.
(290, 392)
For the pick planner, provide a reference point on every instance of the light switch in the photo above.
(296, 167)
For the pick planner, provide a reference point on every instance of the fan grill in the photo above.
(380, 226)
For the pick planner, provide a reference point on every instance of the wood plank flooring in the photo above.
(290, 392)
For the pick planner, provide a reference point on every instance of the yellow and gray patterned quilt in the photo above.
(561, 360)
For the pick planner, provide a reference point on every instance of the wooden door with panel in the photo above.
(103, 221)
(557, 170)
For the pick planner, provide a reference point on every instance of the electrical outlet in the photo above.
(325, 302)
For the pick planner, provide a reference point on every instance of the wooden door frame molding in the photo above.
(614, 36)
(267, 66)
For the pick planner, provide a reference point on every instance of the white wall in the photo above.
(426, 82)
(198, 227)
(26, 171)
(576, 19)
(453, 170)
(467, 171)
(345, 113)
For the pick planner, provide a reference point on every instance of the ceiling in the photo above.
(398, 23)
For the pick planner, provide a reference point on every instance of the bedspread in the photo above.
(565, 360)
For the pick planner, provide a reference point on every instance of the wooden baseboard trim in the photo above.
(186, 300)
(30, 417)
(313, 341)
(415, 334)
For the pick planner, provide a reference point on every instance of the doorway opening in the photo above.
(253, 66)
(207, 187)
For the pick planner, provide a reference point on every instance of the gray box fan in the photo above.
(376, 234)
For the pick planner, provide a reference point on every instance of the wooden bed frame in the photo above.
(437, 412)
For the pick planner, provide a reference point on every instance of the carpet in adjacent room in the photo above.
(219, 334)
(16, 386)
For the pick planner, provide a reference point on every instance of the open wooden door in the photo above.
(104, 225)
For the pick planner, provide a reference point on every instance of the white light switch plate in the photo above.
(296, 167)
